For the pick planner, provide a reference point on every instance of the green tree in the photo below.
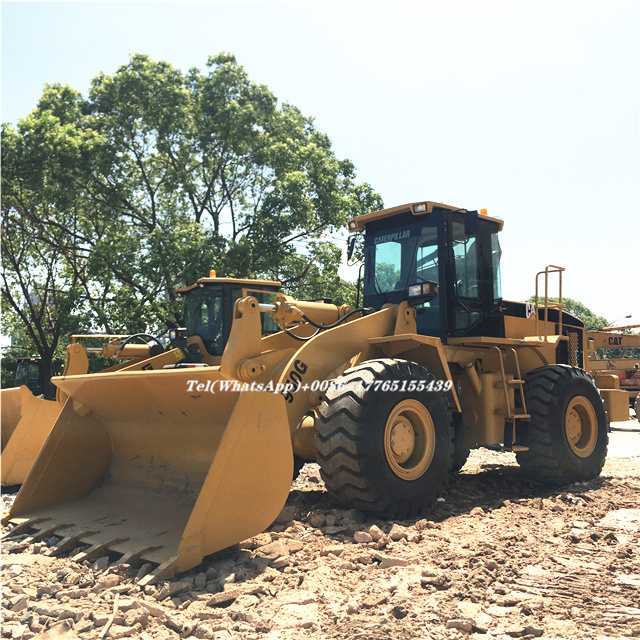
(593, 322)
(113, 200)
(576, 308)
(217, 150)
(42, 249)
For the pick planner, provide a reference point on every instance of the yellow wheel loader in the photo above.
(10, 406)
(169, 465)
(619, 378)
(30, 373)
(27, 419)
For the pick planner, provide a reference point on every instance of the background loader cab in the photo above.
(209, 312)
(30, 373)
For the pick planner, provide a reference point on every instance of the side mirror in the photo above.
(471, 223)
(351, 245)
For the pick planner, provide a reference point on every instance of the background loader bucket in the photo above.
(137, 465)
(9, 412)
(27, 439)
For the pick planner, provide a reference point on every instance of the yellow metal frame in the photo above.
(359, 223)
(547, 303)
(239, 281)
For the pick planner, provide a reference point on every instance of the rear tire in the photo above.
(568, 430)
(385, 453)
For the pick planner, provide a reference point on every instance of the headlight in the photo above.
(423, 292)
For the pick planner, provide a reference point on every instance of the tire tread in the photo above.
(546, 457)
(341, 426)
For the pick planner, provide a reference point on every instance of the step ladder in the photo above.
(517, 384)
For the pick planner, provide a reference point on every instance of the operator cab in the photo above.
(209, 308)
(30, 373)
(455, 250)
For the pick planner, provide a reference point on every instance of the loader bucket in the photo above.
(138, 465)
(31, 432)
(9, 412)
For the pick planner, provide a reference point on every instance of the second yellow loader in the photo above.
(27, 419)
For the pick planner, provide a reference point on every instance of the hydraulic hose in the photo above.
(363, 310)
(322, 327)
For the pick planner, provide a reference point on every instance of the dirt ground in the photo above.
(499, 557)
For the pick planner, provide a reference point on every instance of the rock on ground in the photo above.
(499, 558)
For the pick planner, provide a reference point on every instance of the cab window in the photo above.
(388, 266)
(204, 317)
(465, 259)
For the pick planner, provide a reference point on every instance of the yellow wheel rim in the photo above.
(581, 426)
(409, 439)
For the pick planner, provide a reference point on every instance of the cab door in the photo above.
(467, 280)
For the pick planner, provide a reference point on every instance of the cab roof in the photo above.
(416, 208)
(240, 281)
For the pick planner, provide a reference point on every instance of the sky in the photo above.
(527, 109)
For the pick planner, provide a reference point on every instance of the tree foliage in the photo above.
(593, 322)
(580, 311)
(113, 200)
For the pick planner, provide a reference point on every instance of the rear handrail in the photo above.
(551, 268)
(98, 350)
(98, 335)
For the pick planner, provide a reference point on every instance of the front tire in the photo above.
(385, 453)
(568, 430)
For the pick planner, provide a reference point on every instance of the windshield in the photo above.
(399, 258)
(204, 317)
(402, 258)
(28, 373)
